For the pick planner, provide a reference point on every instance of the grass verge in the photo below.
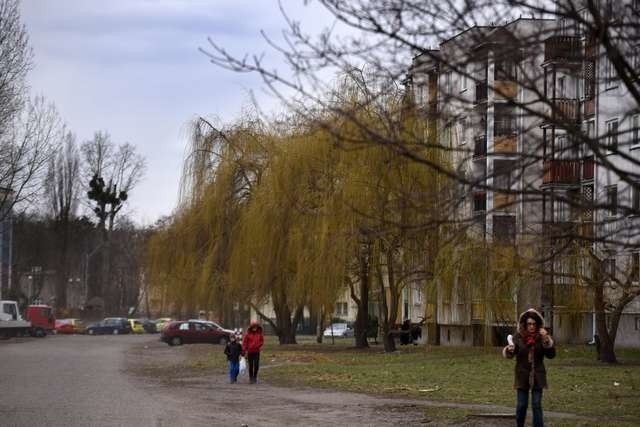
(604, 395)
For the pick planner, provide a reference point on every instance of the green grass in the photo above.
(577, 382)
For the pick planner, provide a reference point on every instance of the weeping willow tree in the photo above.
(188, 259)
(288, 216)
(392, 207)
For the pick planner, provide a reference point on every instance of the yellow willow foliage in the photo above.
(285, 244)
(188, 260)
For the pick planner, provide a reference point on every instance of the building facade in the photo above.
(526, 110)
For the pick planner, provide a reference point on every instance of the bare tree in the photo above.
(25, 152)
(111, 172)
(62, 188)
(119, 168)
(16, 59)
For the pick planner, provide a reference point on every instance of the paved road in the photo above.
(85, 381)
(75, 381)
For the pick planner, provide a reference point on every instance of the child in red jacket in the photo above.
(251, 344)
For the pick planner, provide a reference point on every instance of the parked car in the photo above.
(192, 332)
(136, 326)
(214, 325)
(338, 330)
(70, 326)
(162, 322)
(110, 325)
(149, 326)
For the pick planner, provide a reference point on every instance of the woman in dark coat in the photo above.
(530, 346)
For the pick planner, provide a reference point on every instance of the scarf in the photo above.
(530, 339)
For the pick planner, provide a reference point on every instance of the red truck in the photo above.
(38, 320)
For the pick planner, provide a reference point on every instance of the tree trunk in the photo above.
(320, 326)
(362, 300)
(286, 327)
(605, 343)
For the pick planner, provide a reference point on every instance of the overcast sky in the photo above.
(132, 68)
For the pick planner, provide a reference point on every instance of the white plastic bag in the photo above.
(243, 365)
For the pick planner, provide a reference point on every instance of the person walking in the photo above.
(251, 345)
(530, 346)
(233, 350)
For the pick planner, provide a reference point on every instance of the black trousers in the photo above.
(253, 360)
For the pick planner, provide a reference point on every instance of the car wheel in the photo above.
(90, 332)
(224, 341)
(41, 333)
(176, 341)
(116, 332)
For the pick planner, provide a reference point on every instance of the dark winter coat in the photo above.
(530, 371)
(233, 350)
(253, 340)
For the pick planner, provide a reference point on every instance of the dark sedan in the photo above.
(110, 325)
(191, 332)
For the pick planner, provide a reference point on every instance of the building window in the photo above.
(342, 309)
(447, 84)
(612, 134)
(609, 267)
(612, 200)
(463, 79)
(635, 131)
(635, 267)
(562, 87)
(635, 198)
(464, 125)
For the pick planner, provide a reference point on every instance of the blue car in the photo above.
(110, 325)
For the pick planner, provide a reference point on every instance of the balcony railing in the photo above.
(589, 107)
(563, 110)
(559, 229)
(480, 146)
(562, 48)
(588, 167)
(481, 92)
(504, 201)
(561, 172)
(506, 89)
(505, 144)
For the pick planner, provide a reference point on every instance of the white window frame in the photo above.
(463, 79)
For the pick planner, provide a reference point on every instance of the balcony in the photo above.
(562, 110)
(504, 201)
(562, 49)
(505, 144)
(506, 89)
(481, 92)
(561, 172)
(480, 146)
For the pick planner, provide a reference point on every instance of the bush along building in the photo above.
(543, 128)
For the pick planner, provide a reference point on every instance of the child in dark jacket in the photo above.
(233, 349)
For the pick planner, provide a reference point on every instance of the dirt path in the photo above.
(209, 399)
